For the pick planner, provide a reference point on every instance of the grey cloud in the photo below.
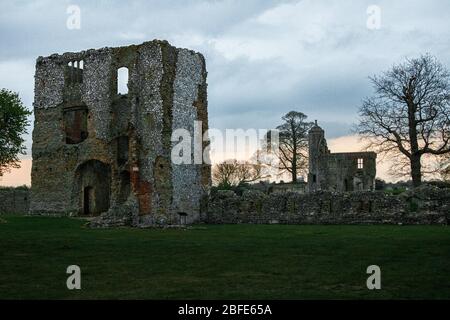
(264, 58)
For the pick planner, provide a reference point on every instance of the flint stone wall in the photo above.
(122, 171)
(14, 200)
(422, 206)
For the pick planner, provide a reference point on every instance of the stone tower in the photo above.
(98, 151)
(317, 147)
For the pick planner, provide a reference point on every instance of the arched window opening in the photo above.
(122, 80)
(75, 71)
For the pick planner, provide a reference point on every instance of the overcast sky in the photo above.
(264, 58)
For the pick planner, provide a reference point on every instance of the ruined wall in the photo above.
(346, 171)
(54, 161)
(423, 206)
(129, 134)
(190, 104)
(14, 200)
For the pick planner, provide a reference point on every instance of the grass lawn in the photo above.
(221, 261)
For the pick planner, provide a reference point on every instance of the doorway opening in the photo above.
(92, 187)
(88, 197)
(183, 218)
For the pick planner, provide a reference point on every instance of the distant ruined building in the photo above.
(100, 151)
(347, 171)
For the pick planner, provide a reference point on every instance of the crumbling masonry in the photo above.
(98, 152)
(341, 172)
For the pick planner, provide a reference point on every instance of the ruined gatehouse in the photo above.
(342, 172)
(99, 150)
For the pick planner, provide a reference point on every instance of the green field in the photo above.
(221, 261)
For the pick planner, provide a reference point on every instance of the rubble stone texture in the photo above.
(14, 200)
(347, 171)
(100, 153)
(424, 205)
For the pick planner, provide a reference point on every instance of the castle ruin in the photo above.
(342, 172)
(99, 151)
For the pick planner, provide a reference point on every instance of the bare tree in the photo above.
(408, 116)
(233, 173)
(223, 174)
(293, 143)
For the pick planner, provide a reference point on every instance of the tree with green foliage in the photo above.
(13, 124)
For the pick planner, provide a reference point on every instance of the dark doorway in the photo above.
(346, 185)
(92, 188)
(183, 218)
(88, 197)
(125, 186)
(122, 150)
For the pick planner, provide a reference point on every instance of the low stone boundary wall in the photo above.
(422, 206)
(14, 200)
(425, 205)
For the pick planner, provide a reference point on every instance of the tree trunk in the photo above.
(294, 156)
(294, 170)
(416, 170)
(294, 166)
